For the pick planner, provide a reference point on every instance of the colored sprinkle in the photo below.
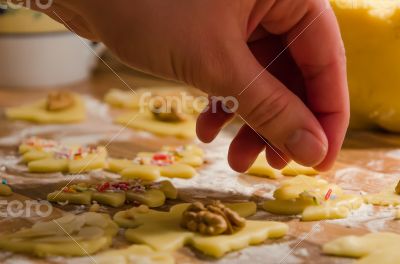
(328, 194)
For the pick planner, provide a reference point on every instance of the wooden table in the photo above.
(369, 162)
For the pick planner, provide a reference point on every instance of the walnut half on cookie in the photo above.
(168, 112)
(211, 219)
(59, 100)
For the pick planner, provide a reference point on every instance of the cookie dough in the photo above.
(172, 162)
(162, 231)
(133, 254)
(385, 198)
(315, 199)
(261, 168)
(115, 194)
(371, 248)
(143, 98)
(50, 110)
(70, 235)
(42, 155)
(146, 121)
(164, 112)
(295, 169)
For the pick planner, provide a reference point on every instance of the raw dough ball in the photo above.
(372, 248)
(373, 90)
(315, 199)
(38, 112)
(69, 235)
(162, 231)
(261, 168)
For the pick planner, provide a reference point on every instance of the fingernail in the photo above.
(305, 148)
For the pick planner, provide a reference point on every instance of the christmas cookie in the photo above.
(59, 107)
(147, 121)
(42, 155)
(163, 112)
(148, 98)
(70, 235)
(315, 199)
(214, 230)
(115, 194)
(172, 162)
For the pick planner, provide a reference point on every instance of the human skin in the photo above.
(298, 108)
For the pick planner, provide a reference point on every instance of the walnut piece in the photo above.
(211, 219)
(167, 111)
(59, 100)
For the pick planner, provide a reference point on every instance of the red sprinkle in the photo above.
(161, 156)
(328, 194)
(103, 187)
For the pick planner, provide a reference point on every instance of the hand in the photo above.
(298, 108)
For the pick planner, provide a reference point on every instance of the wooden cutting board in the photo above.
(369, 162)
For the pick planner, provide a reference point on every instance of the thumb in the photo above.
(274, 113)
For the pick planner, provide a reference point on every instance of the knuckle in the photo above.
(268, 110)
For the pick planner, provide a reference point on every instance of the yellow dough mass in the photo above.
(42, 155)
(38, 112)
(70, 235)
(162, 230)
(315, 199)
(382, 248)
(370, 32)
(172, 162)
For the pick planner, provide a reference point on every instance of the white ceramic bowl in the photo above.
(44, 59)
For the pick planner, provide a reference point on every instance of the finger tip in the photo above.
(236, 165)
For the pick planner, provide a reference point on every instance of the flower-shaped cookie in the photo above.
(162, 230)
(315, 199)
(115, 194)
(43, 155)
(179, 162)
(59, 107)
(70, 235)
